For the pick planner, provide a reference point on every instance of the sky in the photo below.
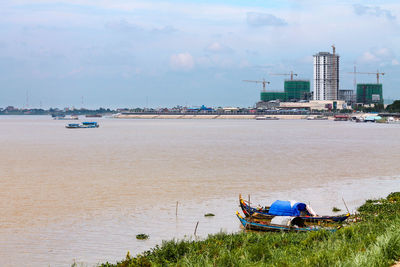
(127, 53)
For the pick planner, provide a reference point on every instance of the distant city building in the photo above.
(347, 95)
(297, 90)
(294, 90)
(270, 96)
(10, 108)
(267, 105)
(315, 105)
(326, 76)
(369, 93)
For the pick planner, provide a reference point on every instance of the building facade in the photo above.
(297, 90)
(270, 96)
(369, 93)
(326, 76)
(294, 90)
(348, 96)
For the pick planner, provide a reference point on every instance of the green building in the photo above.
(297, 90)
(369, 93)
(268, 96)
(294, 90)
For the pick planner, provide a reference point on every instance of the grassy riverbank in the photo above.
(373, 241)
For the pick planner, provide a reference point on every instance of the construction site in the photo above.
(326, 93)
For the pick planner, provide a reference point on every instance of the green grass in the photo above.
(373, 241)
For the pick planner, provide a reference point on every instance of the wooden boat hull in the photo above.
(267, 227)
(263, 214)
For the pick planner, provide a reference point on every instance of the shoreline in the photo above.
(369, 238)
(208, 117)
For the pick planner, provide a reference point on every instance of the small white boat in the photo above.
(72, 117)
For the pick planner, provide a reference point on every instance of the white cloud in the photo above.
(379, 56)
(256, 19)
(182, 61)
(216, 47)
(384, 52)
(373, 11)
(368, 57)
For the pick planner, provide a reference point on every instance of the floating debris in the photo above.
(142, 236)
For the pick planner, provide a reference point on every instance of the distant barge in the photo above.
(93, 116)
(83, 125)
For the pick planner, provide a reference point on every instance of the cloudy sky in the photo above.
(127, 53)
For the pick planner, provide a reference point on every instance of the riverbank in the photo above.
(207, 117)
(373, 240)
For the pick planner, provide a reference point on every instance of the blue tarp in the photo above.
(284, 208)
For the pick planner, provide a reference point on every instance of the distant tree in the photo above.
(379, 107)
(394, 107)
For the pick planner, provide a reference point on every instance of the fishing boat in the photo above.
(295, 224)
(87, 124)
(286, 208)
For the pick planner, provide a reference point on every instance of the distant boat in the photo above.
(72, 117)
(93, 115)
(92, 124)
(317, 118)
(341, 118)
(391, 120)
(264, 118)
(57, 115)
(372, 118)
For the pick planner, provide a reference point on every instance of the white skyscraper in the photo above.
(326, 76)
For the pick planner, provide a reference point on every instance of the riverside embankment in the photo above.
(205, 116)
(371, 239)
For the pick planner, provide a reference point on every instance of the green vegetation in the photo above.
(209, 215)
(335, 209)
(371, 239)
(394, 107)
(376, 108)
(383, 120)
(394, 197)
(142, 236)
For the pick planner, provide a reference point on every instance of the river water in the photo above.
(83, 194)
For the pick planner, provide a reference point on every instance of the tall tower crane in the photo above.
(291, 74)
(377, 73)
(264, 82)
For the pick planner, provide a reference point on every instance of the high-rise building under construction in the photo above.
(326, 76)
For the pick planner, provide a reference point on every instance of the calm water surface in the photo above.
(83, 194)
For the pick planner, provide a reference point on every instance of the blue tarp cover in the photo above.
(284, 208)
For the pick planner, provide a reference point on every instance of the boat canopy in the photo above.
(286, 208)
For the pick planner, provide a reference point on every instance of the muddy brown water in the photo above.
(83, 194)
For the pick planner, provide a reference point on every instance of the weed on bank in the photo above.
(373, 240)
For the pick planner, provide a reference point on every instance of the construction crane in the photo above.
(264, 82)
(291, 74)
(377, 73)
